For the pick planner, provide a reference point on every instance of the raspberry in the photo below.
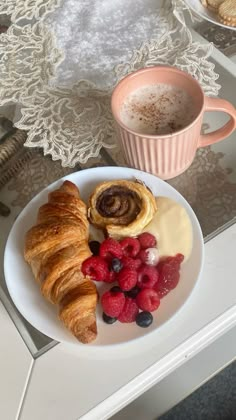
(148, 300)
(147, 240)
(147, 277)
(149, 256)
(161, 291)
(163, 288)
(129, 311)
(111, 277)
(179, 258)
(96, 268)
(174, 261)
(143, 256)
(127, 278)
(168, 275)
(109, 249)
(134, 264)
(113, 303)
(130, 247)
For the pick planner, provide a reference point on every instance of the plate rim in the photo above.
(134, 340)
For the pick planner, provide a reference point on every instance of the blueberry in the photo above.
(144, 319)
(116, 265)
(115, 289)
(133, 292)
(108, 319)
(94, 247)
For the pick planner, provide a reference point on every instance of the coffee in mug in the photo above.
(158, 109)
(159, 112)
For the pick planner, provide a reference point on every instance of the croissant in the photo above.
(55, 249)
(121, 208)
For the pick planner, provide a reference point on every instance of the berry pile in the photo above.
(142, 278)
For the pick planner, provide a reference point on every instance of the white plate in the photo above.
(197, 7)
(42, 315)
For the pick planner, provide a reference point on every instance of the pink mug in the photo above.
(171, 154)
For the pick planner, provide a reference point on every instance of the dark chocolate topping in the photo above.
(119, 202)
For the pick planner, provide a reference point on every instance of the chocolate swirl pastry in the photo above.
(121, 208)
(119, 202)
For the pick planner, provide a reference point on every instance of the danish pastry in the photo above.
(121, 208)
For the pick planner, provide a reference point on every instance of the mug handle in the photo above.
(215, 104)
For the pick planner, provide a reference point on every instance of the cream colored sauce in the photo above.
(172, 228)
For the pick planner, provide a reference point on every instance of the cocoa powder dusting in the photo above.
(164, 110)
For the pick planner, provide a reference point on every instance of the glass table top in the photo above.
(209, 185)
(223, 39)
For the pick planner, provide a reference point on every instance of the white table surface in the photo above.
(180, 383)
(67, 385)
(15, 367)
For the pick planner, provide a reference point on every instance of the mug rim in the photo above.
(132, 75)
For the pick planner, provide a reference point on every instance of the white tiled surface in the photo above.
(15, 367)
(67, 385)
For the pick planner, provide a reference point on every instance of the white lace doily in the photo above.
(60, 59)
